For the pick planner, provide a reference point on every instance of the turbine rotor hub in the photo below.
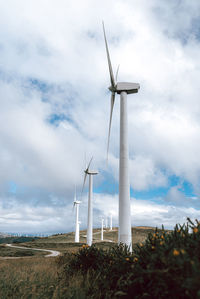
(112, 88)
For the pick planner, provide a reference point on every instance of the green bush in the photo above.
(167, 265)
(17, 239)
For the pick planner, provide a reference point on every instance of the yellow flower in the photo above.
(162, 237)
(127, 259)
(182, 251)
(141, 245)
(154, 235)
(176, 252)
(178, 231)
(83, 246)
(195, 230)
(161, 242)
(135, 259)
(152, 247)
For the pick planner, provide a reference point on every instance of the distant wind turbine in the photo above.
(76, 205)
(90, 210)
(122, 88)
(102, 220)
(106, 222)
(110, 221)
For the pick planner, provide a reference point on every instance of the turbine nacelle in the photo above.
(125, 86)
(91, 172)
(77, 202)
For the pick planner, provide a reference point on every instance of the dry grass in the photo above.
(28, 278)
(16, 252)
(37, 277)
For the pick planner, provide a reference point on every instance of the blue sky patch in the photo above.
(55, 119)
(12, 187)
(40, 85)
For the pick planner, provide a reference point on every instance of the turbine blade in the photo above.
(74, 193)
(112, 80)
(89, 164)
(85, 176)
(111, 112)
(85, 160)
(117, 73)
(74, 198)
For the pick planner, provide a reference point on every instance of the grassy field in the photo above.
(65, 242)
(28, 278)
(38, 277)
(164, 264)
(16, 252)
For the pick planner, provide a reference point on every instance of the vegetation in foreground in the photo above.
(28, 278)
(166, 265)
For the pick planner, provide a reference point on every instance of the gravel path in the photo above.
(52, 253)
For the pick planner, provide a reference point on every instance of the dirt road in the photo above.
(52, 253)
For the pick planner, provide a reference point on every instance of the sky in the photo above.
(55, 106)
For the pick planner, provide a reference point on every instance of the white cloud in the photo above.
(147, 213)
(53, 61)
(144, 174)
(20, 217)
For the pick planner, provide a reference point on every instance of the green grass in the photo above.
(10, 240)
(17, 252)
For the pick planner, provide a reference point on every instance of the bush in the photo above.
(24, 239)
(167, 265)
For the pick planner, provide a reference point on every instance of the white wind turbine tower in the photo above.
(76, 205)
(102, 221)
(110, 221)
(106, 222)
(90, 210)
(122, 88)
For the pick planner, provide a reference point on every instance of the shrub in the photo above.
(167, 265)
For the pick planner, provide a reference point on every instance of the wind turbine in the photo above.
(90, 210)
(110, 221)
(102, 220)
(76, 205)
(122, 88)
(106, 224)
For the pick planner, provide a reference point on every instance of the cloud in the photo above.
(26, 218)
(144, 174)
(148, 213)
(55, 103)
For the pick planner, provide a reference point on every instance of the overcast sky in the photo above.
(55, 105)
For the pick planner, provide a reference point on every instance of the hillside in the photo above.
(3, 235)
(31, 275)
(65, 242)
